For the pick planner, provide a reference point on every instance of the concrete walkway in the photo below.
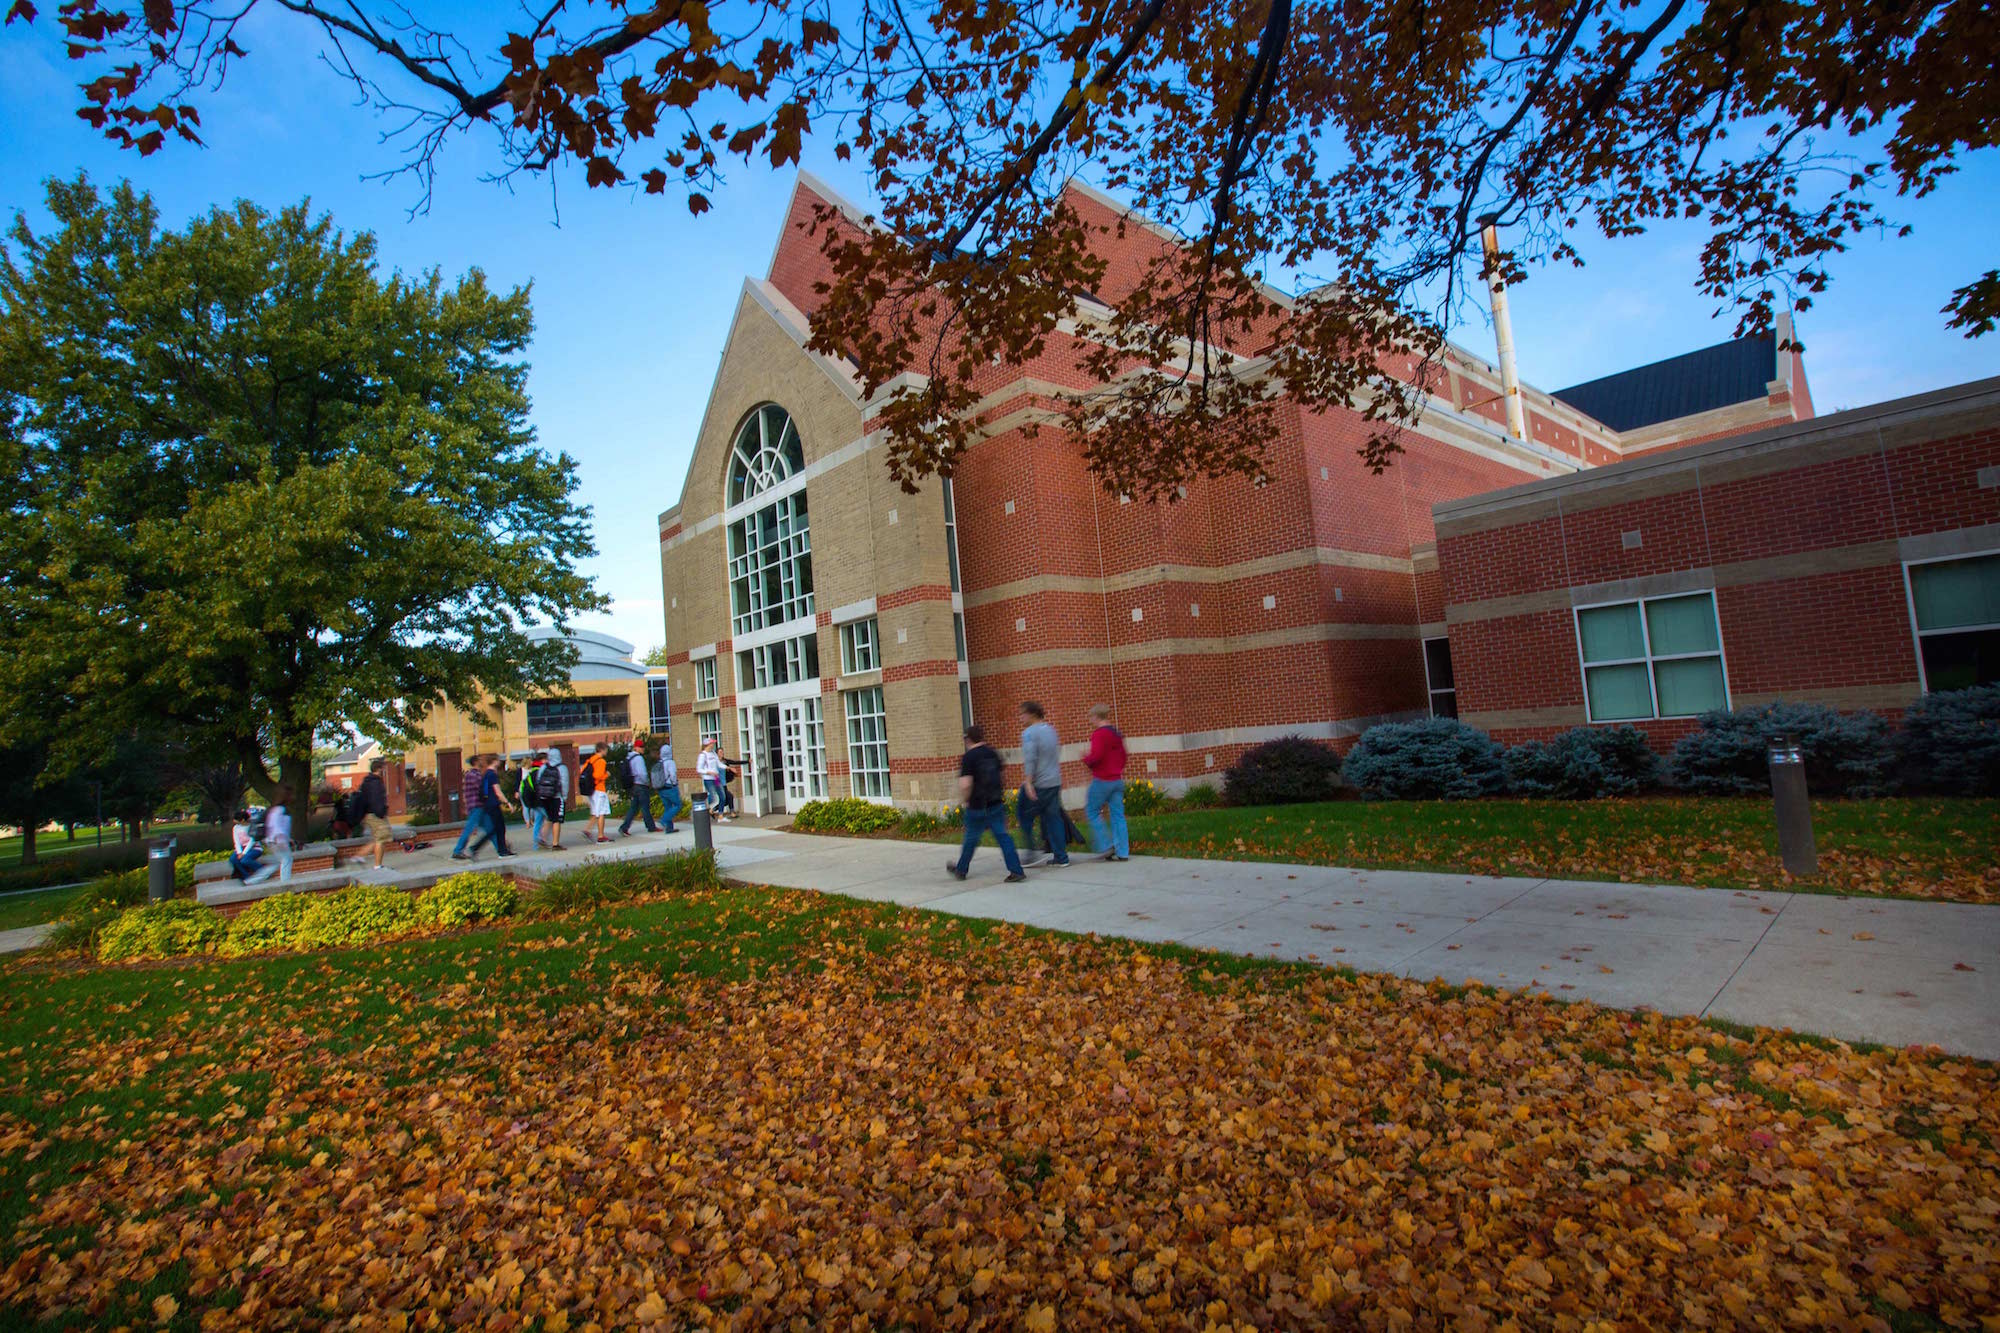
(1859, 968)
(1865, 969)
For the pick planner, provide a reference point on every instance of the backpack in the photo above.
(343, 811)
(586, 779)
(524, 785)
(548, 786)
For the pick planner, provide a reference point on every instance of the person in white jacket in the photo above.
(709, 766)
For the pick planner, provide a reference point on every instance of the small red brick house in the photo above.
(1851, 560)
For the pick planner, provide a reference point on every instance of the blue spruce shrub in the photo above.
(1584, 762)
(1950, 743)
(1439, 757)
(1285, 771)
(1846, 754)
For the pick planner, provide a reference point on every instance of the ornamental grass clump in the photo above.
(267, 925)
(160, 930)
(355, 915)
(1142, 797)
(607, 883)
(478, 896)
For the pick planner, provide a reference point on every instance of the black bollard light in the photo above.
(698, 817)
(160, 870)
(1791, 803)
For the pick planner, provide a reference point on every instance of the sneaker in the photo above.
(951, 868)
(1016, 879)
(460, 856)
(1033, 859)
(508, 856)
(602, 839)
(1117, 858)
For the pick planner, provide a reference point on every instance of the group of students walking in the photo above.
(1038, 802)
(540, 788)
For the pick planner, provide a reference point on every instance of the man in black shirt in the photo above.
(984, 798)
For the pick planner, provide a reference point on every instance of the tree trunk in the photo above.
(71, 829)
(28, 842)
(296, 771)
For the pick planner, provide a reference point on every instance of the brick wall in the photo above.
(1802, 533)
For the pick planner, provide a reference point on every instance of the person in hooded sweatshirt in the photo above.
(552, 790)
(1104, 802)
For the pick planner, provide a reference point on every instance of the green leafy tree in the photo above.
(261, 487)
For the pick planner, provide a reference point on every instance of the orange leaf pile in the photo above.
(755, 1108)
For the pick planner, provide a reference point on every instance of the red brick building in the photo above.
(838, 632)
(1852, 560)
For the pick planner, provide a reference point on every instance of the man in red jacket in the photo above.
(1105, 758)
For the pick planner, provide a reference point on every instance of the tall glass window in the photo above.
(659, 705)
(867, 742)
(951, 533)
(1437, 675)
(704, 678)
(770, 551)
(1658, 657)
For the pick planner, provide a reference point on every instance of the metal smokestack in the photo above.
(1503, 334)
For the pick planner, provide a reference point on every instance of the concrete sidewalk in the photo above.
(1859, 968)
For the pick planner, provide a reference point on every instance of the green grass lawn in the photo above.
(1947, 849)
(29, 907)
(800, 1110)
(51, 845)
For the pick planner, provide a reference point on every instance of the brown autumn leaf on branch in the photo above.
(1348, 152)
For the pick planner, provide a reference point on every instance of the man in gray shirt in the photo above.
(1041, 784)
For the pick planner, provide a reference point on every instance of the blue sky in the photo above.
(633, 296)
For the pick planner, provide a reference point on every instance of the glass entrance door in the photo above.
(804, 746)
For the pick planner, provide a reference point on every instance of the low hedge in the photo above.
(1846, 754)
(478, 896)
(1584, 763)
(355, 914)
(1439, 758)
(1285, 771)
(846, 814)
(268, 924)
(1949, 744)
(160, 930)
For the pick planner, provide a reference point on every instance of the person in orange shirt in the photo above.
(593, 779)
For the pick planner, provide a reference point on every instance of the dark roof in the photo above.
(1680, 386)
(351, 756)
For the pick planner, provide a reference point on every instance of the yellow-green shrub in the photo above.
(269, 923)
(478, 896)
(160, 930)
(356, 914)
(184, 868)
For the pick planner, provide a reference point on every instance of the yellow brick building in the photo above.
(611, 697)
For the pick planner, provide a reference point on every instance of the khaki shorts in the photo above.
(377, 829)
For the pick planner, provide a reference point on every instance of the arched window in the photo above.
(767, 452)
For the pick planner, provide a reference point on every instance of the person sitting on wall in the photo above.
(247, 855)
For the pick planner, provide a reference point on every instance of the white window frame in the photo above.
(1720, 655)
(708, 727)
(1431, 692)
(789, 553)
(860, 646)
(659, 706)
(1917, 632)
(706, 684)
(951, 536)
(860, 744)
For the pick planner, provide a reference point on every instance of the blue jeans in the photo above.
(992, 818)
(473, 823)
(640, 802)
(537, 817)
(1045, 808)
(670, 797)
(1106, 797)
(716, 795)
